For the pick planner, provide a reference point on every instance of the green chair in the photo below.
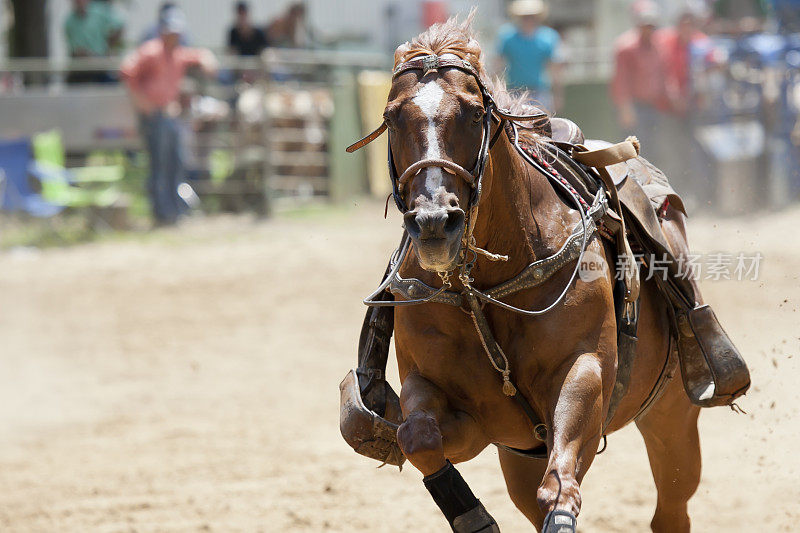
(90, 186)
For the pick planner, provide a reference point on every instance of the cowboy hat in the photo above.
(522, 8)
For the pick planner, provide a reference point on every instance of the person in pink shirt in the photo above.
(153, 74)
(638, 86)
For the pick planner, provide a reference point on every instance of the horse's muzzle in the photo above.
(431, 224)
(437, 236)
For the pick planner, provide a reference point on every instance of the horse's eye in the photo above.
(477, 115)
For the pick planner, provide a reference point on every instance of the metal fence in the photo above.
(260, 133)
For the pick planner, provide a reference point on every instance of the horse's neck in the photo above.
(520, 216)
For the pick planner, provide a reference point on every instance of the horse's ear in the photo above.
(473, 49)
(401, 52)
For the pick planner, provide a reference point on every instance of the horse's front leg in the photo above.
(576, 413)
(432, 436)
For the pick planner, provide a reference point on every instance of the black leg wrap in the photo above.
(559, 522)
(458, 504)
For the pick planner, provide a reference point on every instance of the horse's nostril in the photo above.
(455, 218)
(434, 224)
(412, 226)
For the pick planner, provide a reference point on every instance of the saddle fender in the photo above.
(369, 410)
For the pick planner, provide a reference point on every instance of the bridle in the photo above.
(492, 113)
(474, 178)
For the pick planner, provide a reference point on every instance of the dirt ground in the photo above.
(187, 380)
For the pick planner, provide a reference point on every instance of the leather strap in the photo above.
(500, 128)
(434, 63)
(533, 275)
(537, 117)
(499, 361)
(600, 159)
(368, 139)
(605, 157)
(627, 325)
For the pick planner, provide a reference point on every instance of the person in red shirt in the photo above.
(675, 44)
(153, 74)
(638, 86)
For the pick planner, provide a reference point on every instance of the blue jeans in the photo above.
(648, 122)
(162, 138)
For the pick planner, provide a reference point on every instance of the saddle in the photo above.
(713, 371)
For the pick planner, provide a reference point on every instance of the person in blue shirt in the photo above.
(531, 54)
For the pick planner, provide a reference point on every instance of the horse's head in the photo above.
(435, 117)
(439, 116)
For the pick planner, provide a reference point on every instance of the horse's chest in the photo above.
(453, 357)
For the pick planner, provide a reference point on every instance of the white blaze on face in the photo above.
(428, 100)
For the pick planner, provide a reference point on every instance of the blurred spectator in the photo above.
(244, 39)
(638, 86)
(92, 29)
(787, 14)
(290, 30)
(677, 45)
(153, 31)
(531, 52)
(739, 9)
(154, 73)
(734, 17)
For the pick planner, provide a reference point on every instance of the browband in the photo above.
(433, 62)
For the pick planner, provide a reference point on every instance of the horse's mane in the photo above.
(459, 38)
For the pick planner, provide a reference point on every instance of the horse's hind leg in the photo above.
(673, 446)
(521, 475)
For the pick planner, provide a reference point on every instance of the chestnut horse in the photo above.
(563, 361)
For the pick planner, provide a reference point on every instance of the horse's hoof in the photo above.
(477, 520)
(559, 522)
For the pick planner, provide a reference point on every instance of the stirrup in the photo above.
(713, 371)
(558, 521)
(367, 432)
